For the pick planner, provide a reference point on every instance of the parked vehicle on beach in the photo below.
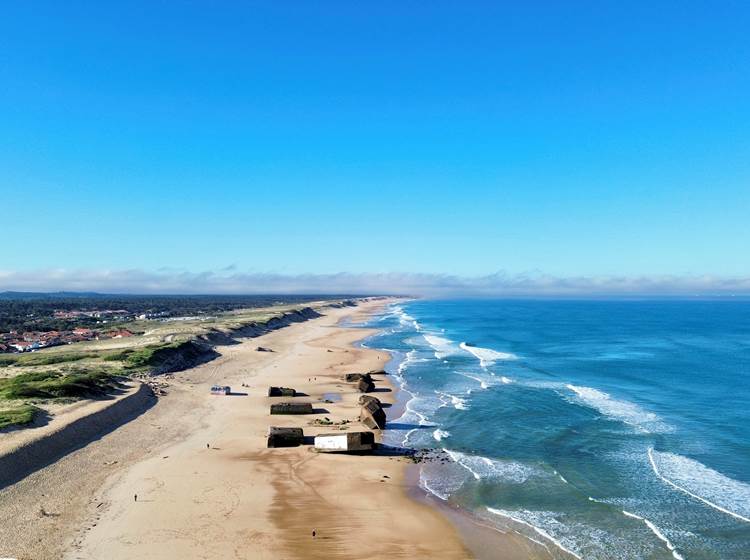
(221, 389)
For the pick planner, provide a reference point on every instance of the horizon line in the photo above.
(499, 284)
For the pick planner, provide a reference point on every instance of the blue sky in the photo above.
(464, 138)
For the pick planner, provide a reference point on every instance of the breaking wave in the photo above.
(412, 357)
(441, 482)
(659, 535)
(624, 411)
(486, 356)
(440, 435)
(459, 403)
(706, 485)
(443, 346)
(482, 468)
(405, 319)
(483, 383)
(516, 516)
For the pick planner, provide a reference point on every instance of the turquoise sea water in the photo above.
(607, 429)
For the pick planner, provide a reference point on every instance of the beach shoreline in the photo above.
(192, 476)
(205, 482)
(482, 540)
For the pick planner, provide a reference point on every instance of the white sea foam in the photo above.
(532, 539)
(459, 403)
(624, 411)
(440, 435)
(417, 410)
(485, 382)
(659, 535)
(428, 484)
(443, 346)
(706, 485)
(486, 356)
(405, 319)
(441, 482)
(412, 407)
(482, 468)
(412, 357)
(561, 477)
(516, 516)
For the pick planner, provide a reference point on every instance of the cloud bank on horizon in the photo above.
(229, 281)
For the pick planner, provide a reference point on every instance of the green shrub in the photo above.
(42, 358)
(19, 415)
(157, 355)
(118, 356)
(52, 384)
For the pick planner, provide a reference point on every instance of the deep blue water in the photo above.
(610, 429)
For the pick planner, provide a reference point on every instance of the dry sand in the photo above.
(208, 487)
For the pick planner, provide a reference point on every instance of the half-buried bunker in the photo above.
(291, 408)
(285, 437)
(281, 392)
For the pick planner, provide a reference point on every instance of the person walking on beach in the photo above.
(135, 497)
(313, 533)
(208, 446)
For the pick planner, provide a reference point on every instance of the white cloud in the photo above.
(230, 281)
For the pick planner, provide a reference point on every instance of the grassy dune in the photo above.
(41, 385)
(18, 415)
(90, 369)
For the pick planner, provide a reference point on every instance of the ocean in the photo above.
(599, 429)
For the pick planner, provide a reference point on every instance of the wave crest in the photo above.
(486, 356)
(624, 411)
(442, 346)
(659, 535)
(440, 435)
(531, 524)
(706, 485)
(485, 468)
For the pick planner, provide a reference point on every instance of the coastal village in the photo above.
(14, 341)
(106, 325)
(29, 341)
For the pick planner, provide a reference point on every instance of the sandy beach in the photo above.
(207, 486)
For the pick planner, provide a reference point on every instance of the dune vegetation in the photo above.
(18, 415)
(94, 368)
(43, 385)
